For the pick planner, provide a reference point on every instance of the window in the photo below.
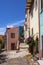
(26, 19)
(32, 11)
(32, 31)
(41, 4)
(12, 35)
(35, 4)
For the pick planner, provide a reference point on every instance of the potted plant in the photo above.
(31, 42)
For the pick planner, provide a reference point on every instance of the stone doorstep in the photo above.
(35, 63)
(40, 62)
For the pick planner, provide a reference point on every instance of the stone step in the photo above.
(23, 46)
(23, 49)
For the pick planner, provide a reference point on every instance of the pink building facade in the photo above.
(12, 36)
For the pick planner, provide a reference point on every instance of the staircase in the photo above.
(24, 46)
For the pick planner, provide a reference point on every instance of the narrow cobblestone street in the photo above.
(23, 57)
(25, 60)
(18, 61)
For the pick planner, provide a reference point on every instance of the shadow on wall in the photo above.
(2, 57)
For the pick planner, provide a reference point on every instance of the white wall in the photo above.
(34, 21)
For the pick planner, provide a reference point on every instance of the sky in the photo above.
(12, 13)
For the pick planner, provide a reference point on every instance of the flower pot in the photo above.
(31, 49)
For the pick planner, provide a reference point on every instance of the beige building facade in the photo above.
(32, 17)
(32, 20)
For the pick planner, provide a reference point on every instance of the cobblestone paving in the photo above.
(16, 61)
(28, 59)
(19, 61)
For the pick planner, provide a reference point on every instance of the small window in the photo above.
(35, 4)
(41, 4)
(32, 11)
(12, 35)
(32, 31)
(26, 19)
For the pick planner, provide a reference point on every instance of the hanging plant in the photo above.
(30, 41)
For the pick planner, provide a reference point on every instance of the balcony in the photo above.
(29, 4)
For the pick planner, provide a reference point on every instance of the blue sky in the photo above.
(12, 13)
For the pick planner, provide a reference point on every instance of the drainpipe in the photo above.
(39, 23)
(28, 21)
(7, 41)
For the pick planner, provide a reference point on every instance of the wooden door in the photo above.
(13, 47)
